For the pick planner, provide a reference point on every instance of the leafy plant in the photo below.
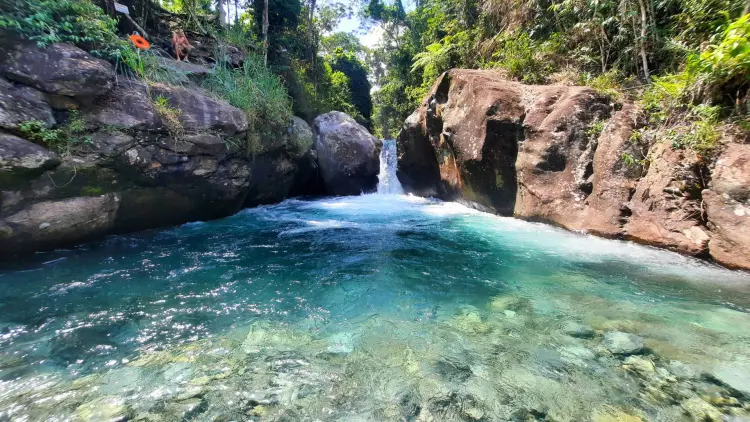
(727, 62)
(63, 140)
(78, 22)
(169, 115)
(259, 93)
(145, 65)
(595, 129)
(522, 58)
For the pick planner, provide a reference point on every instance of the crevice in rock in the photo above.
(553, 159)
(496, 172)
(441, 92)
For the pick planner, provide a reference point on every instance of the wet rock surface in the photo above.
(621, 343)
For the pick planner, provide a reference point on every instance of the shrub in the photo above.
(63, 140)
(169, 115)
(256, 91)
(725, 65)
(78, 22)
(522, 58)
(145, 65)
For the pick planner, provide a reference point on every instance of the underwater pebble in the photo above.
(638, 364)
(701, 411)
(682, 370)
(191, 392)
(105, 408)
(620, 343)
(734, 377)
(576, 329)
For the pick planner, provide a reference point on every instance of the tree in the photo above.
(359, 86)
(221, 12)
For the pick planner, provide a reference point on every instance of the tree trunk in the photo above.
(220, 4)
(644, 34)
(310, 30)
(108, 6)
(265, 32)
(312, 45)
(236, 12)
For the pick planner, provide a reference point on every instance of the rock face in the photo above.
(60, 69)
(564, 155)
(348, 155)
(141, 165)
(728, 207)
(23, 158)
(20, 104)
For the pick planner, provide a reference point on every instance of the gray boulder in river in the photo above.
(348, 155)
(133, 157)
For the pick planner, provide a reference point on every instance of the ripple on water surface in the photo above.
(377, 307)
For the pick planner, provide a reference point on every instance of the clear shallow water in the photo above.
(368, 308)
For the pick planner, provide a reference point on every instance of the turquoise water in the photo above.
(369, 308)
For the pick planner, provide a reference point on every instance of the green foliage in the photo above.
(78, 22)
(595, 129)
(145, 65)
(354, 73)
(609, 83)
(240, 37)
(610, 43)
(169, 115)
(523, 59)
(726, 63)
(63, 140)
(92, 191)
(259, 93)
(343, 40)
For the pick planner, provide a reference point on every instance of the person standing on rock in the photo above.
(181, 45)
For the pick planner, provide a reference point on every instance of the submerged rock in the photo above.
(576, 329)
(620, 343)
(639, 364)
(701, 411)
(735, 377)
(107, 408)
(682, 370)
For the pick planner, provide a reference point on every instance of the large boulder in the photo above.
(20, 104)
(565, 156)
(60, 69)
(503, 146)
(347, 154)
(132, 105)
(728, 207)
(53, 223)
(21, 158)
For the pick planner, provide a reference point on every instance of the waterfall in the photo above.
(388, 183)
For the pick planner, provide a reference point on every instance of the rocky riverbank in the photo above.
(86, 152)
(559, 154)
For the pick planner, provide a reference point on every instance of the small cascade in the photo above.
(388, 183)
